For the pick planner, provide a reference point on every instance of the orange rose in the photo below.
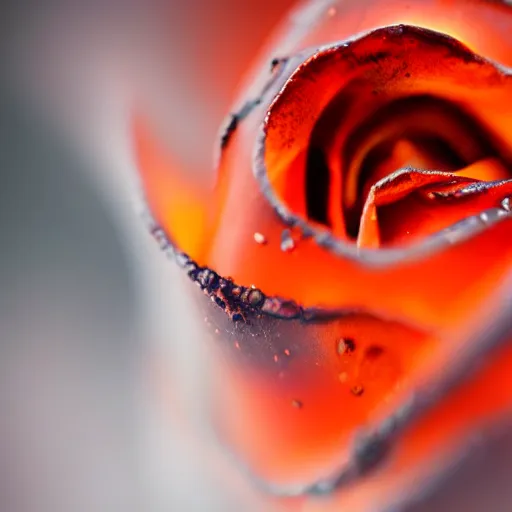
(356, 247)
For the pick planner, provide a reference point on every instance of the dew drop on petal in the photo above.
(287, 243)
(373, 352)
(255, 297)
(345, 346)
(343, 377)
(357, 390)
(297, 404)
(484, 217)
(259, 238)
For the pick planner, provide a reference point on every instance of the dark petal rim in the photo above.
(458, 232)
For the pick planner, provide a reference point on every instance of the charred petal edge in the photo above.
(232, 121)
(276, 62)
(235, 118)
(240, 303)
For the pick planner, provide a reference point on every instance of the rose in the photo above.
(365, 178)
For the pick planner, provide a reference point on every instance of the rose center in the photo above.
(382, 139)
(420, 132)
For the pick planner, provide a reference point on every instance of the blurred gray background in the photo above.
(99, 383)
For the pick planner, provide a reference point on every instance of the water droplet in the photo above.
(297, 404)
(331, 12)
(345, 346)
(217, 331)
(343, 377)
(259, 238)
(373, 352)
(505, 204)
(237, 345)
(287, 352)
(357, 390)
(287, 243)
(207, 279)
(255, 297)
(276, 358)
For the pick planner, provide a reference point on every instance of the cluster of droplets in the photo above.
(346, 350)
(287, 243)
(364, 366)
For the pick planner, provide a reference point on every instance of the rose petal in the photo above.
(398, 211)
(445, 433)
(179, 203)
